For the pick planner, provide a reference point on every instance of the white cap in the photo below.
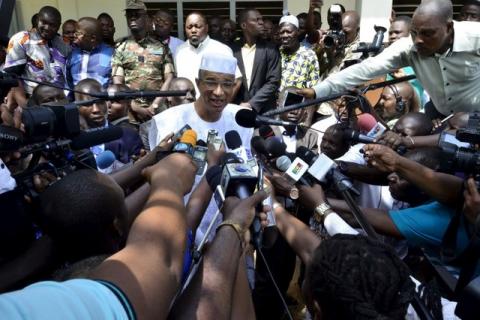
(216, 62)
(289, 19)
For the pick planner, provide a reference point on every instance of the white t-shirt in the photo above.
(173, 119)
(322, 126)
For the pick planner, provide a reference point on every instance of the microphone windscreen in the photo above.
(258, 144)
(246, 118)
(201, 143)
(213, 176)
(90, 138)
(275, 147)
(305, 154)
(105, 159)
(233, 140)
(366, 122)
(266, 132)
(283, 163)
(189, 137)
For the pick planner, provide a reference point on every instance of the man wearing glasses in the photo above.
(216, 82)
(141, 62)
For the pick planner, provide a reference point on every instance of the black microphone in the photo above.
(127, 95)
(258, 145)
(94, 137)
(355, 136)
(233, 140)
(249, 119)
(275, 147)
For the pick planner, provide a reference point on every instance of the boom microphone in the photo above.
(95, 137)
(250, 119)
(127, 95)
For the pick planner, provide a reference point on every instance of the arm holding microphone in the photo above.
(445, 188)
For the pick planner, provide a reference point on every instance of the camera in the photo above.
(335, 35)
(457, 151)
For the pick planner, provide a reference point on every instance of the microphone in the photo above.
(128, 95)
(249, 119)
(201, 143)
(258, 145)
(284, 164)
(95, 137)
(275, 147)
(240, 180)
(234, 144)
(11, 139)
(356, 137)
(213, 176)
(366, 122)
(187, 142)
(105, 161)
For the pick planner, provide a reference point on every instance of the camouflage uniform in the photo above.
(143, 64)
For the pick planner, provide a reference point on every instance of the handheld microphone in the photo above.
(240, 180)
(366, 122)
(275, 147)
(187, 142)
(356, 137)
(295, 170)
(249, 119)
(95, 137)
(105, 161)
(234, 144)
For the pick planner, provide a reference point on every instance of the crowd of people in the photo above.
(345, 208)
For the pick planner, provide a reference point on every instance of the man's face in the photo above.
(83, 39)
(429, 34)
(296, 116)
(254, 23)
(386, 107)
(182, 85)
(399, 187)
(228, 32)
(163, 25)
(406, 126)
(214, 26)
(108, 28)
(333, 144)
(349, 28)
(68, 32)
(196, 29)
(47, 94)
(47, 26)
(302, 29)
(288, 36)
(267, 30)
(137, 20)
(398, 29)
(215, 90)
(470, 12)
(117, 109)
(95, 114)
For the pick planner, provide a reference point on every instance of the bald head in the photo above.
(414, 124)
(439, 9)
(350, 25)
(89, 33)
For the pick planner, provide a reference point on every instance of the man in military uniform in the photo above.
(142, 63)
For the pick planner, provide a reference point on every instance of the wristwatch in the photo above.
(321, 211)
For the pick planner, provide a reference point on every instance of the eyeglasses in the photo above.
(212, 84)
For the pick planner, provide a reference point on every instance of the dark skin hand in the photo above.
(471, 208)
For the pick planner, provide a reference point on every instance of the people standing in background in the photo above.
(162, 30)
(108, 28)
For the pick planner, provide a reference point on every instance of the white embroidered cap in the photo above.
(289, 19)
(216, 62)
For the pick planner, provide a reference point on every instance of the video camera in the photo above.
(335, 36)
(457, 151)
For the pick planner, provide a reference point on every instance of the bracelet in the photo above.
(238, 229)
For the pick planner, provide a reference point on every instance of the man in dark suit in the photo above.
(259, 63)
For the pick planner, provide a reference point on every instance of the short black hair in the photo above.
(78, 212)
(198, 13)
(243, 15)
(34, 20)
(50, 11)
(302, 15)
(405, 19)
(355, 277)
(167, 12)
(104, 15)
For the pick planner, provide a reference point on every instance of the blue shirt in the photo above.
(425, 226)
(95, 64)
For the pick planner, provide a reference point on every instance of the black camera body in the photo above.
(335, 35)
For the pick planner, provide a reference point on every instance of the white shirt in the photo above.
(173, 44)
(322, 126)
(7, 183)
(290, 141)
(248, 56)
(451, 80)
(173, 119)
(188, 58)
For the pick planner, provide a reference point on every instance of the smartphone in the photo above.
(290, 98)
(217, 143)
(200, 158)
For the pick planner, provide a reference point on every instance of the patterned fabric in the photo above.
(43, 61)
(144, 64)
(96, 64)
(300, 69)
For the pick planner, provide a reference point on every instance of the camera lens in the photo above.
(39, 123)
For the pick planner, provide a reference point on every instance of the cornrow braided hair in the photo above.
(355, 277)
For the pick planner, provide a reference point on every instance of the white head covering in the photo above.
(216, 62)
(289, 19)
